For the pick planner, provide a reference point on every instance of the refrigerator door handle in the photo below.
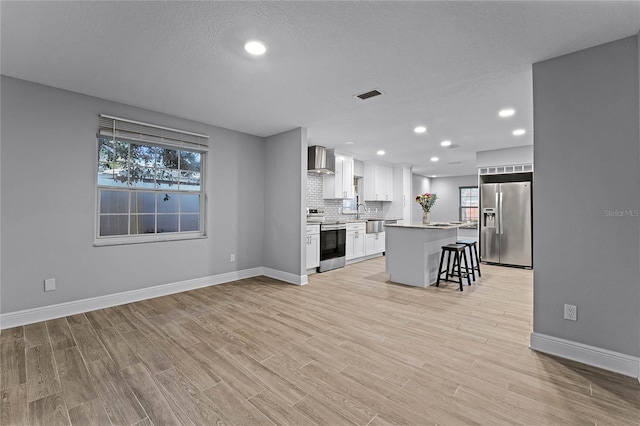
(500, 213)
(497, 213)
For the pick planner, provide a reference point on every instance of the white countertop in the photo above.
(419, 225)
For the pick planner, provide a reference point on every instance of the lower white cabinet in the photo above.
(313, 246)
(374, 243)
(355, 246)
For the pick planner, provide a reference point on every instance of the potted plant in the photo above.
(426, 201)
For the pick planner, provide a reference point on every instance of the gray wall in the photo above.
(587, 166)
(420, 185)
(447, 189)
(505, 156)
(285, 186)
(48, 203)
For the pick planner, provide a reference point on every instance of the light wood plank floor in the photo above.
(349, 348)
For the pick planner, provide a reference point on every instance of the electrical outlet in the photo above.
(232, 258)
(570, 312)
(50, 284)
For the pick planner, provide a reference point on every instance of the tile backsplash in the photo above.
(333, 208)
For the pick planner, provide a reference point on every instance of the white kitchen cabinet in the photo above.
(340, 184)
(374, 243)
(407, 196)
(378, 182)
(400, 208)
(313, 246)
(355, 246)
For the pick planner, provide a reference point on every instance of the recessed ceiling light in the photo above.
(433, 176)
(349, 143)
(381, 152)
(519, 132)
(255, 47)
(507, 112)
(445, 143)
(420, 129)
(434, 159)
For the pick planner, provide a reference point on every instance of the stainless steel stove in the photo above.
(333, 239)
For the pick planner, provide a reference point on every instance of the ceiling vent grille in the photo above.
(456, 162)
(452, 146)
(370, 94)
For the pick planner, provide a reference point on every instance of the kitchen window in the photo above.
(150, 183)
(469, 203)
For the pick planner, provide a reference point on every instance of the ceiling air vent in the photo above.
(456, 162)
(370, 94)
(452, 146)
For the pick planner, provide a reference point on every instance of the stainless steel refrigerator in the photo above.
(505, 223)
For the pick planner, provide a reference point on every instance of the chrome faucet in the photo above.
(358, 210)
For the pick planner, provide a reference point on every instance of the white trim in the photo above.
(44, 313)
(591, 355)
(142, 239)
(285, 276)
(362, 258)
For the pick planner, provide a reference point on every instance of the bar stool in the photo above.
(459, 254)
(472, 245)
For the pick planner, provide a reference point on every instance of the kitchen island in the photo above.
(413, 251)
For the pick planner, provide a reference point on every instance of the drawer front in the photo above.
(313, 229)
(355, 227)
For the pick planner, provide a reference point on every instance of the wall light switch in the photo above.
(50, 284)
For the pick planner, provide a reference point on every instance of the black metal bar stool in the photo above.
(459, 254)
(472, 245)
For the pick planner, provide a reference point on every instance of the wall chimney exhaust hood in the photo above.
(319, 162)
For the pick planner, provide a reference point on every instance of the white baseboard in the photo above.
(285, 276)
(591, 355)
(44, 313)
(363, 258)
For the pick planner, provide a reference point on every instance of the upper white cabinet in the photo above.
(400, 208)
(339, 185)
(378, 182)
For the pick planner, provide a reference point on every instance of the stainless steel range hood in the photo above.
(320, 160)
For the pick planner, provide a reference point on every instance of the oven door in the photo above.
(333, 244)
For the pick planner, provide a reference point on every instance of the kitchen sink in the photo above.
(374, 226)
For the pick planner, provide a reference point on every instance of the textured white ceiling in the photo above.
(448, 65)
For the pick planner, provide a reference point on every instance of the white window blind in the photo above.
(144, 132)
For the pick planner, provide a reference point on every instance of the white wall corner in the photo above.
(591, 355)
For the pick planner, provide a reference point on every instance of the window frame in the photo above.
(108, 240)
(460, 206)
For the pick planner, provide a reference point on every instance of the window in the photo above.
(148, 190)
(469, 203)
(350, 206)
